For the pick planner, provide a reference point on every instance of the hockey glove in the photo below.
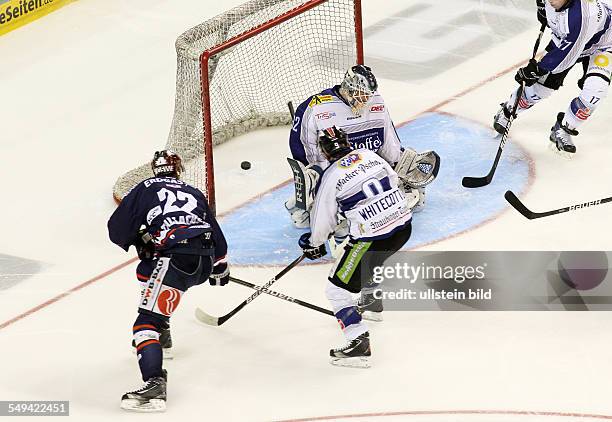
(530, 73)
(311, 252)
(220, 274)
(144, 245)
(541, 12)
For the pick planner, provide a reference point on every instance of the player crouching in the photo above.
(180, 245)
(356, 184)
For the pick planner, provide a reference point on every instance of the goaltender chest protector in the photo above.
(366, 130)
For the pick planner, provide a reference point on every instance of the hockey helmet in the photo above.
(334, 143)
(167, 163)
(358, 86)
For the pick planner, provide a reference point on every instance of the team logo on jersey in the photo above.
(377, 108)
(320, 99)
(168, 300)
(349, 161)
(602, 60)
(325, 115)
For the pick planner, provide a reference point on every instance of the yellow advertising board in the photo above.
(16, 13)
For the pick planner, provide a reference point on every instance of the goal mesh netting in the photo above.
(237, 71)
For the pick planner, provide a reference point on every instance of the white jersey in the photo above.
(372, 129)
(578, 30)
(363, 188)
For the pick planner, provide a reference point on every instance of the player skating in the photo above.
(180, 245)
(580, 34)
(363, 187)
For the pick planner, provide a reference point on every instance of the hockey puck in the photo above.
(245, 165)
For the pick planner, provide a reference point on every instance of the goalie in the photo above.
(355, 107)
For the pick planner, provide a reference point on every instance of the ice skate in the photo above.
(151, 397)
(370, 308)
(561, 138)
(501, 119)
(355, 354)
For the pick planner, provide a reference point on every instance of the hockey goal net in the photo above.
(237, 71)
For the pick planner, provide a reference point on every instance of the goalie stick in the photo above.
(216, 321)
(478, 182)
(282, 296)
(520, 207)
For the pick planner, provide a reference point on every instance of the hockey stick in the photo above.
(282, 296)
(216, 321)
(478, 182)
(520, 207)
(291, 110)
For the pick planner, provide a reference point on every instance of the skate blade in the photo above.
(563, 154)
(153, 405)
(372, 316)
(362, 362)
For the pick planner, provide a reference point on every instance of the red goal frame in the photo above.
(205, 92)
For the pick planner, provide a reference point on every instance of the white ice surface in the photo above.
(88, 92)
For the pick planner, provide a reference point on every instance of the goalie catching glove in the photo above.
(417, 170)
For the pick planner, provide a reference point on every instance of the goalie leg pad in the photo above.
(306, 180)
(300, 218)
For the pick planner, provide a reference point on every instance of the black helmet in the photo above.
(334, 142)
(167, 163)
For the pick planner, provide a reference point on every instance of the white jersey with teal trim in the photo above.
(363, 188)
(372, 129)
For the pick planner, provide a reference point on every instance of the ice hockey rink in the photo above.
(87, 93)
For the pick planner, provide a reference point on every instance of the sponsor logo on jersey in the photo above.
(168, 300)
(349, 161)
(325, 115)
(377, 108)
(371, 142)
(361, 168)
(320, 99)
(153, 286)
(353, 117)
(602, 60)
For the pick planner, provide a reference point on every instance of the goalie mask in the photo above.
(358, 86)
(334, 143)
(167, 163)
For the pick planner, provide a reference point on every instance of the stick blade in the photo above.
(205, 318)
(475, 182)
(518, 205)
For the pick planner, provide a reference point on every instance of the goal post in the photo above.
(237, 71)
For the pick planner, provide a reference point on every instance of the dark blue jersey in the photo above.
(170, 210)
